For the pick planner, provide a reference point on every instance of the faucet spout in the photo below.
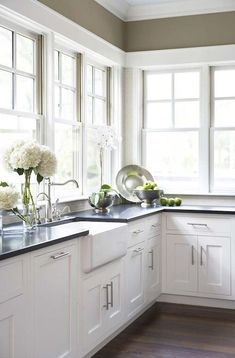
(74, 181)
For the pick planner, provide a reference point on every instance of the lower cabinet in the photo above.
(135, 274)
(54, 303)
(153, 269)
(198, 264)
(101, 306)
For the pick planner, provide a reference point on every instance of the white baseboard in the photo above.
(196, 301)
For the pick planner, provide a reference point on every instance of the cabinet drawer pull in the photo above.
(154, 225)
(193, 255)
(138, 250)
(151, 253)
(58, 256)
(197, 224)
(138, 232)
(201, 252)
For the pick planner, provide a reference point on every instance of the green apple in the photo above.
(164, 201)
(148, 185)
(140, 187)
(171, 202)
(178, 201)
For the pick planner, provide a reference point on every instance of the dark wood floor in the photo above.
(176, 331)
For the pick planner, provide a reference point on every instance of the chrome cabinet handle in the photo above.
(138, 232)
(151, 253)
(197, 224)
(138, 250)
(201, 252)
(111, 286)
(154, 225)
(106, 287)
(108, 303)
(193, 255)
(58, 256)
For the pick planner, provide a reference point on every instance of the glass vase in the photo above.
(29, 209)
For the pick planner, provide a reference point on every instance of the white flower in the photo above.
(8, 198)
(8, 153)
(48, 163)
(26, 156)
(105, 137)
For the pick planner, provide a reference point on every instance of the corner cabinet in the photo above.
(197, 253)
(54, 311)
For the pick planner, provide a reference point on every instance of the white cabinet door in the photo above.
(153, 265)
(181, 262)
(135, 269)
(14, 325)
(214, 265)
(101, 306)
(54, 303)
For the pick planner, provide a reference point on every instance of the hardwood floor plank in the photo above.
(176, 331)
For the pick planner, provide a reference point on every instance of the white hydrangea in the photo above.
(9, 151)
(105, 137)
(48, 163)
(8, 198)
(26, 156)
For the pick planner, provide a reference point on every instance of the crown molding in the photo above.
(165, 9)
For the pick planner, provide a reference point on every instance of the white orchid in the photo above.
(105, 137)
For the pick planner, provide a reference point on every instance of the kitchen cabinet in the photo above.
(101, 308)
(198, 255)
(181, 263)
(135, 273)
(153, 269)
(54, 312)
(14, 308)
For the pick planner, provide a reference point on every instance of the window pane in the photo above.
(187, 85)
(56, 65)
(89, 110)
(187, 114)
(99, 82)
(224, 83)
(173, 155)
(93, 164)
(5, 89)
(14, 128)
(24, 94)
(67, 105)
(224, 159)
(224, 113)
(159, 86)
(57, 101)
(159, 115)
(89, 79)
(65, 151)
(24, 54)
(6, 47)
(68, 70)
(99, 112)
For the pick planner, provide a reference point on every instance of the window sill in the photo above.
(215, 194)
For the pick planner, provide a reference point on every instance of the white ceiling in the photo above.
(131, 10)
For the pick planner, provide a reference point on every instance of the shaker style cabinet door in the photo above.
(181, 263)
(135, 272)
(54, 303)
(153, 264)
(214, 265)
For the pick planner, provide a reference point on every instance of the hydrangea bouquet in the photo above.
(26, 158)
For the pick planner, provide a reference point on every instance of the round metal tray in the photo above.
(128, 178)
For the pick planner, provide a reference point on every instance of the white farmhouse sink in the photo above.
(105, 243)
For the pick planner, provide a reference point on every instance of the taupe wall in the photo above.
(184, 31)
(93, 17)
(158, 34)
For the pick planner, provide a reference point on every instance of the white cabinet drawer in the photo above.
(152, 226)
(153, 241)
(137, 233)
(198, 224)
(11, 279)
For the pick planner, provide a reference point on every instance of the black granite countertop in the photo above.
(15, 241)
(129, 212)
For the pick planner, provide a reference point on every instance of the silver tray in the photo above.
(128, 178)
